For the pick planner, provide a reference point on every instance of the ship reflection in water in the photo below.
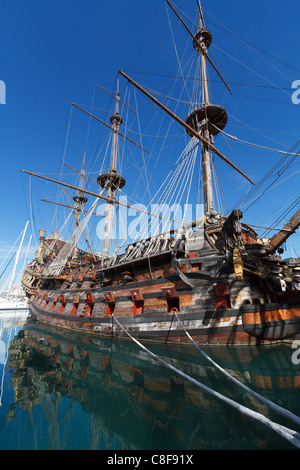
(70, 391)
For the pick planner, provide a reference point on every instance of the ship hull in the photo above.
(272, 321)
(223, 327)
(164, 298)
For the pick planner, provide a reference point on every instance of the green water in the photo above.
(65, 391)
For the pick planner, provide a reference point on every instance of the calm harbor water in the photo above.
(66, 391)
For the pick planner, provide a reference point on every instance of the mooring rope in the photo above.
(273, 406)
(292, 436)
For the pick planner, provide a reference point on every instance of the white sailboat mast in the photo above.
(17, 258)
(26, 255)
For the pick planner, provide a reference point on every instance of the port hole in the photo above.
(89, 310)
(110, 309)
(138, 307)
(74, 310)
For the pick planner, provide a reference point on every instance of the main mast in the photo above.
(205, 39)
(111, 181)
(209, 119)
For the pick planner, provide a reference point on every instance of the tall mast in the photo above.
(80, 199)
(111, 181)
(207, 179)
(17, 258)
(209, 119)
(201, 119)
(206, 121)
(206, 157)
(202, 25)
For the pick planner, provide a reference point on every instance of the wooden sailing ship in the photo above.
(225, 289)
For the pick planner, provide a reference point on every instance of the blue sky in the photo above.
(52, 52)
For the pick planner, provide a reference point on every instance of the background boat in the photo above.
(12, 295)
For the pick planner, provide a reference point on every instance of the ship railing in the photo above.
(153, 245)
(142, 249)
(33, 271)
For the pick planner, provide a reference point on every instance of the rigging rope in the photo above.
(7, 265)
(225, 28)
(276, 172)
(141, 143)
(292, 206)
(166, 191)
(176, 52)
(292, 436)
(251, 70)
(57, 266)
(254, 145)
(199, 80)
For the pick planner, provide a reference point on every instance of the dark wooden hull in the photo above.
(226, 328)
(214, 303)
(272, 321)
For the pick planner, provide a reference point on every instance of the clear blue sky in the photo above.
(52, 52)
